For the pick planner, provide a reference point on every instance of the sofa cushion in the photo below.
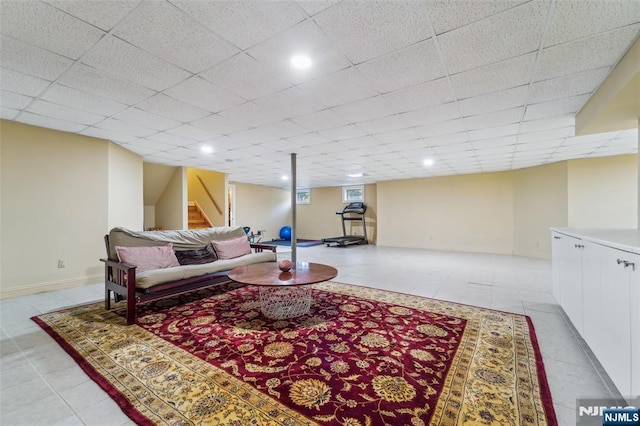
(148, 258)
(232, 248)
(198, 256)
(154, 277)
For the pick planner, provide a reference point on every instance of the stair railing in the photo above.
(209, 194)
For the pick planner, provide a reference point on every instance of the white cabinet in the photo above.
(598, 287)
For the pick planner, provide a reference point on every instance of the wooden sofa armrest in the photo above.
(262, 247)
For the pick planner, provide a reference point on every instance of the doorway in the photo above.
(231, 195)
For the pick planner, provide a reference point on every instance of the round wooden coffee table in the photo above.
(283, 294)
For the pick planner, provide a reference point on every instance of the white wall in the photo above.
(171, 208)
(262, 208)
(54, 206)
(603, 193)
(125, 188)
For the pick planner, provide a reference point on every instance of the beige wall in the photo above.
(216, 185)
(171, 208)
(125, 188)
(318, 219)
(263, 208)
(54, 206)
(540, 201)
(465, 213)
(602, 192)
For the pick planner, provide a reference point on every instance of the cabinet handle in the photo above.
(556, 237)
(627, 264)
(578, 246)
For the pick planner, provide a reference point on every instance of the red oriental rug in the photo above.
(361, 356)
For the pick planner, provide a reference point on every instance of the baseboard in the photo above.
(28, 289)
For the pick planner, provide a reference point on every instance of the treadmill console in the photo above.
(356, 207)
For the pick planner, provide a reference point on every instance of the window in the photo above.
(303, 196)
(352, 193)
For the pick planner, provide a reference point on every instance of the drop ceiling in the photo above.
(477, 86)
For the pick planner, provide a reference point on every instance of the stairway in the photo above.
(197, 218)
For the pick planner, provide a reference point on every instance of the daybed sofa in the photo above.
(147, 265)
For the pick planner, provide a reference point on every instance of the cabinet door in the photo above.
(570, 275)
(556, 253)
(592, 296)
(634, 291)
(616, 318)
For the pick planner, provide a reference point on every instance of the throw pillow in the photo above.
(229, 249)
(197, 257)
(147, 258)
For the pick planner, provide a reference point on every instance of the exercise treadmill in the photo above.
(352, 212)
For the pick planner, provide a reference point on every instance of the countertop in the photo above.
(622, 239)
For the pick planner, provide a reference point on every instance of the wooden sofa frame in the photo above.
(120, 278)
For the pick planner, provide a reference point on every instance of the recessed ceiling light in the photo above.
(301, 62)
(428, 162)
(206, 149)
(355, 175)
(285, 177)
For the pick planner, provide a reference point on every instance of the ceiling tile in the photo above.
(441, 128)
(14, 100)
(402, 135)
(365, 109)
(564, 87)
(383, 124)
(432, 114)
(165, 31)
(537, 146)
(577, 19)
(454, 147)
(20, 83)
(91, 80)
(110, 135)
(243, 23)
(483, 42)
(250, 114)
(340, 88)
(192, 132)
(218, 124)
(73, 98)
(314, 6)
(140, 150)
(283, 129)
(585, 54)
(124, 127)
(366, 30)
(169, 107)
(246, 77)
(495, 77)
(544, 135)
(72, 115)
(146, 119)
(425, 95)
(163, 141)
(31, 60)
(495, 118)
(252, 137)
(291, 102)
(320, 120)
(556, 122)
(489, 143)
(494, 101)
(102, 14)
(447, 139)
(447, 15)
(555, 107)
(49, 122)
(310, 139)
(303, 39)
(342, 133)
(123, 60)
(41, 25)
(357, 143)
(413, 65)
(7, 113)
(493, 132)
(202, 94)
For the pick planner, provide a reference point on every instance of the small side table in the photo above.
(283, 294)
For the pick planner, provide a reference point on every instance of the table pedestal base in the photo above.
(285, 302)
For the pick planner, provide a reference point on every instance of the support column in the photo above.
(293, 211)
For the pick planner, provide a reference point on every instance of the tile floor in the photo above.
(41, 385)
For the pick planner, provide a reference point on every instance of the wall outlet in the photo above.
(62, 263)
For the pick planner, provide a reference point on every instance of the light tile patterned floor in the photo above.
(41, 385)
